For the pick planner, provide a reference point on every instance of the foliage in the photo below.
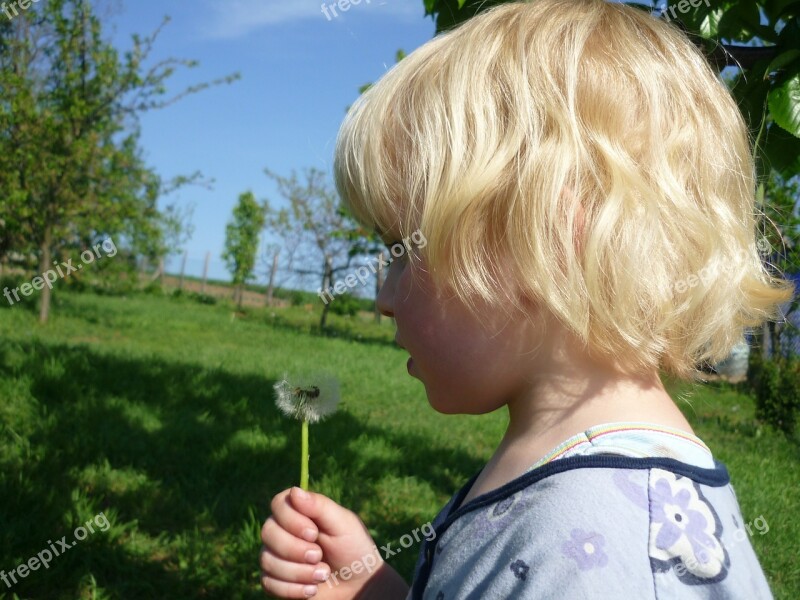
(298, 298)
(761, 37)
(71, 169)
(153, 288)
(775, 385)
(315, 228)
(198, 297)
(345, 304)
(203, 298)
(241, 239)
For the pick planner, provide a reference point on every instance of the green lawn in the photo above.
(158, 412)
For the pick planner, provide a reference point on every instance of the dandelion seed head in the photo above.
(307, 397)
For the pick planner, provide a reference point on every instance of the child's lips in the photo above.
(410, 362)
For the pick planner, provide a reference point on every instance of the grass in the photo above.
(158, 412)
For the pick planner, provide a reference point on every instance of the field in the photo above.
(158, 413)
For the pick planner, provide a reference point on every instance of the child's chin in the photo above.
(457, 406)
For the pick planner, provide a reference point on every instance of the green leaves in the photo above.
(241, 237)
(742, 22)
(763, 37)
(71, 168)
(784, 103)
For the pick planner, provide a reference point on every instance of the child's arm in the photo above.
(310, 534)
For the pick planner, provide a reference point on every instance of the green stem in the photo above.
(304, 457)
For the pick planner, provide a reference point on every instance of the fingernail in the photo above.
(301, 493)
(310, 590)
(313, 556)
(320, 575)
(309, 535)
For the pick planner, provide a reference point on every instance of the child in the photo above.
(573, 165)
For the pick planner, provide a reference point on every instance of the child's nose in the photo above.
(385, 299)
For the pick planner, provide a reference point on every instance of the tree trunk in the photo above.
(774, 341)
(271, 286)
(378, 285)
(762, 340)
(44, 265)
(327, 277)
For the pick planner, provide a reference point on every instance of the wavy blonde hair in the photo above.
(579, 154)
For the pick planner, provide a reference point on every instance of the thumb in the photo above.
(331, 518)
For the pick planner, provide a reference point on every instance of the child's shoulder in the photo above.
(591, 527)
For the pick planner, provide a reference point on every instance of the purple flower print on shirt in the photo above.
(684, 530)
(671, 508)
(586, 549)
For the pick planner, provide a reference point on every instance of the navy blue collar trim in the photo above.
(716, 477)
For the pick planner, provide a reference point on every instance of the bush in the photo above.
(203, 298)
(196, 296)
(297, 298)
(776, 387)
(114, 287)
(345, 304)
(154, 289)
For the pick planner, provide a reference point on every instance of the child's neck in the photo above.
(556, 408)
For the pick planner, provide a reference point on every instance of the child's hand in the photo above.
(307, 538)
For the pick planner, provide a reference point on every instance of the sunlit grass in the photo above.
(159, 413)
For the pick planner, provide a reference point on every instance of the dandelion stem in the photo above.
(304, 456)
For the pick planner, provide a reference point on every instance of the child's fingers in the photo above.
(292, 572)
(284, 589)
(287, 516)
(330, 517)
(288, 547)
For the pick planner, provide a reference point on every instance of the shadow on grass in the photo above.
(173, 456)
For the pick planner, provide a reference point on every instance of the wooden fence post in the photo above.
(205, 273)
(183, 269)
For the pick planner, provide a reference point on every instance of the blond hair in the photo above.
(580, 154)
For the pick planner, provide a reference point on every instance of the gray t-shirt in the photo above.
(595, 526)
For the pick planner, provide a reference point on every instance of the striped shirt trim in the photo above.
(593, 433)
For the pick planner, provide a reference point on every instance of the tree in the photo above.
(762, 38)
(317, 233)
(71, 171)
(241, 240)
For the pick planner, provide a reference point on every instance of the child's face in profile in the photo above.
(467, 364)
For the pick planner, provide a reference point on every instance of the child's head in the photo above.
(578, 156)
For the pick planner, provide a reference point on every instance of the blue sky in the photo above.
(300, 70)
